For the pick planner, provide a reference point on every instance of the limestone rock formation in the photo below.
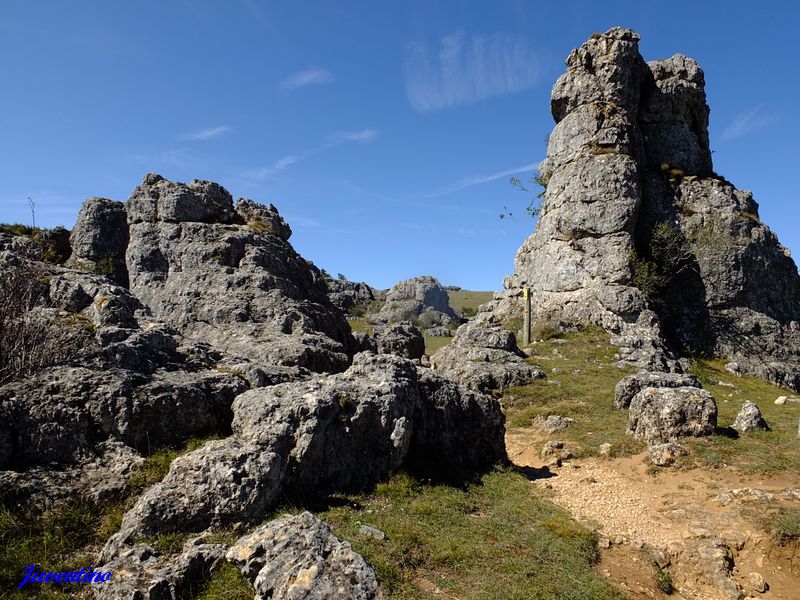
(636, 232)
(230, 279)
(402, 339)
(631, 385)
(297, 556)
(419, 299)
(661, 415)
(332, 433)
(484, 358)
(348, 294)
(99, 239)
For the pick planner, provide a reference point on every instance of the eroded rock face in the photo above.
(639, 236)
(402, 339)
(231, 279)
(297, 556)
(347, 294)
(99, 239)
(629, 386)
(333, 433)
(484, 358)
(419, 299)
(661, 415)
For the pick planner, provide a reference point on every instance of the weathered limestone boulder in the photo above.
(141, 573)
(402, 339)
(629, 386)
(297, 556)
(99, 239)
(659, 415)
(336, 433)
(419, 299)
(749, 419)
(484, 358)
(638, 235)
(239, 287)
(348, 294)
(666, 454)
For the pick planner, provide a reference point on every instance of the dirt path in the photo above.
(694, 522)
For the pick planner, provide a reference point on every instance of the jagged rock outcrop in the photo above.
(99, 239)
(639, 236)
(659, 415)
(421, 300)
(141, 573)
(346, 295)
(336, 433)
(297, 556)
(230, 279)
(484, 358)
(402, 339)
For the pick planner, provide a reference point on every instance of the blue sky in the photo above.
(384, 132)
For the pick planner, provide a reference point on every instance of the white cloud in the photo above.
(747, 122)
(209, 133)
(310, 76)
(361, 137)
(469, 69)
(477, 180)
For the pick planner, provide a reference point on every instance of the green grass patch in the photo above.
(227, 583)
(761, 452)
(494, 539)
(584, 369)
(434, 343)
(61, 538)
(469, 300)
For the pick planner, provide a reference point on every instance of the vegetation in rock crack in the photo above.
(661, 258)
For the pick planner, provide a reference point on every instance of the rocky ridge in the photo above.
(638, 235)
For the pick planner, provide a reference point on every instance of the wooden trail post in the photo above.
(526, 326)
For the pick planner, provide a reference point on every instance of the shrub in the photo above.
(666, 254)
(30, 339)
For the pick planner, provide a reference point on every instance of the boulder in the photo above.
(749, 419)
(629, 386)
(297, 556)
(665, 455)
(551, 423)
(141, 573)
(659, 414)
(484, 358)
(402, 339)
(265, 219)
(419, 299)
(99, 239)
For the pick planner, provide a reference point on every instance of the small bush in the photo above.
(664, 580)
(665, 255)
(786, 526)
(30, 339)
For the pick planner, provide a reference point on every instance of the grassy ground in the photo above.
(580, 384)
(61, 539)
(468, 300)
(755, 453)
(494, 539)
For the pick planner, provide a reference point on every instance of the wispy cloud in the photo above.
(209, 133)
(310, 76)
(469, 69)
(469, 182)
(336, 139)
(747, 122)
